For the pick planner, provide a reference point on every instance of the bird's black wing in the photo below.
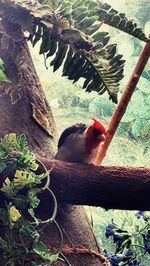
(68, 131)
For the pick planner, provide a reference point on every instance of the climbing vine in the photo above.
(21, 228)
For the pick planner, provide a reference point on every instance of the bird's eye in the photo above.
(96, 132)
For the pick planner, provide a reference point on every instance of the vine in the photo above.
(20, 229)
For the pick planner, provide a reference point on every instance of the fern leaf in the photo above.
(110, 16)
(61, 52)
(107, 15)
(70, 31)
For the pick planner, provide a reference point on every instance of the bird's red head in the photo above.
(95, 135)
(99, 126)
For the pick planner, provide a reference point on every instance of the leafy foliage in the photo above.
(118, 20)
(20, 233)
(130, 248)
(70, 31)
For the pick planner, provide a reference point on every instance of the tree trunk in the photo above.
(24, 109)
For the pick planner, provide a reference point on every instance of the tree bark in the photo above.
(105, 186)
(23, 105)
(24, 109)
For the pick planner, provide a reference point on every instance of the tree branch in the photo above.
(124, 101)
(105, 186)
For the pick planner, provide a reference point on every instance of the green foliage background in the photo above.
(130, 146)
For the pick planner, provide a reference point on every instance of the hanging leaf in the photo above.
(52, 48)
(3, 76)
(37, 35)
(61, 52)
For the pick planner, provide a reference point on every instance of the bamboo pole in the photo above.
(124, 101)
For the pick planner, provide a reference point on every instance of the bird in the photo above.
(80, 143)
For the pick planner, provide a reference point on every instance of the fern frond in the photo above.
(110, 16)
(104, 13)
(69, 31)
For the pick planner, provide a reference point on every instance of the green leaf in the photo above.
(79, 3)
(46, 41)
(93, 28)
(86, 22)
(22, 141)
(37, 35)
(34, 201)
(54, 257)
(20, 202)
(52, 48)
(81, 15)
(3, 76)
(118, 20)
(59, 57)
(2, 166)
(28, 229)
(68, 23)
(99, 36)
(40, 249)
(9, 189)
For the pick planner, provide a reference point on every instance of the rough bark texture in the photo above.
(23, 106)
(108, 187)
(24, 109)
(80, 245)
